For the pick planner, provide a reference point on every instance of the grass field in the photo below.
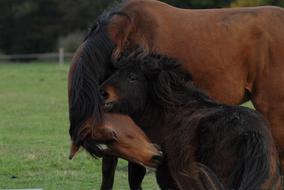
(34, 139)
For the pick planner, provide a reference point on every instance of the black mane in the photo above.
(171, 87)
(91, 69)
(172, 90)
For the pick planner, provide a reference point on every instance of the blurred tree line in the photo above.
(37, 26)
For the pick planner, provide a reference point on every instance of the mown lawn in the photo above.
(34, 139)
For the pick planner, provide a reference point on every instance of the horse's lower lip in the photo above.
(149, 166)
(152, 167)
(108, 106)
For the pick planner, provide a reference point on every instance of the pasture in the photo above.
(34, 139)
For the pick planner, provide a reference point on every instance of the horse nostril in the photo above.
(157, 159)
(103, 94)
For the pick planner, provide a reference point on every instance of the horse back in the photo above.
(237, 45)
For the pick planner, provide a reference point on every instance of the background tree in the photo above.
(37, 26)
(199, 3)
(28, 25)
(34, 26)
(251, 3)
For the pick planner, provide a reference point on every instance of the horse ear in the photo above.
(119, 28)
(154, 64)
(169, 63)
(149, 66)
(160, 62)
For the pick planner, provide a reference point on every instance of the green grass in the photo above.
(34, 139)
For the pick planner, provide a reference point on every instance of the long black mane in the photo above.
(90, 70)
(172, 90)
(170, 87)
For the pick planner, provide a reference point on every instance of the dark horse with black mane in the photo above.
(234, 55)
(232, 141)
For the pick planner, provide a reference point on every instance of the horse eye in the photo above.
(132, 77)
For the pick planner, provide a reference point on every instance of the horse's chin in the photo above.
(150, 166)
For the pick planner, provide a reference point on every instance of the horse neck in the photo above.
(170, 129)
(152, 121)
(131, 29)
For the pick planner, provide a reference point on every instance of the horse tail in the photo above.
(208, 178)
(253, 164)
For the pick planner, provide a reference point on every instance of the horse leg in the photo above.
(108, 168)
(136, 174)
(164, 178)
(273, 110)
(276, 121)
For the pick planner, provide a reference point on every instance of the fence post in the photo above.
(61, 56)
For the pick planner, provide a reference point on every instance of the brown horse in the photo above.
(233, 54)
(232, 141)
(119, 136)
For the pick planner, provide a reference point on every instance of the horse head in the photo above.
(119, 136)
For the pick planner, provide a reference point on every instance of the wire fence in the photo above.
(61, 57)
